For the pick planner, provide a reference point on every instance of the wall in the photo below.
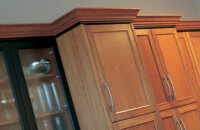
(197, 3)
(37, 11)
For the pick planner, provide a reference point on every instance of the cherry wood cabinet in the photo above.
(172, 77)
(111, 74)
(159, 88)
(166, 43)
(120, 70)
(165, 52)
(104, 64)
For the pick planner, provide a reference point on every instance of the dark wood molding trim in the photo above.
(185, 25)
(24, 30)
(73, 17)
(156, 20)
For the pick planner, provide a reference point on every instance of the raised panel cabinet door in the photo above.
(158, 84)
(169, 119)
(146, 122)
(189, 117)
(195, 46)
(120, 71)
(185, 49)
(166, 42)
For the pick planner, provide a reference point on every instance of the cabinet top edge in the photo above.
(187, 25)
(156, 20)
(68, 20)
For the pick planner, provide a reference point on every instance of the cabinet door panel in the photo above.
(146, 126)
(144, 38)
(166, 42)
(168, 124)
(146, 122)
(188, 58)
(190, 117)
(185, 52)
(169, 119)
(195, 41)
(119, 66)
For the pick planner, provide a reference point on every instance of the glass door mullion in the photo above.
(16, 89)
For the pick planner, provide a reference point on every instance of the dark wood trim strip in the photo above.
(73, 17)
(156, 20)
(24, 30)
(189, 25)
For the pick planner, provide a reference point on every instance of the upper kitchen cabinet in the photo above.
(162, 59)
(120, 70)
(166, 44)
(160, 90)
(169, 67)
(33, 90)
(106, 77)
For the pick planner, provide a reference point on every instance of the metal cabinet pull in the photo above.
(111, 99)
(183, 124)
(174, 95)
(170, 94)
(179, 124)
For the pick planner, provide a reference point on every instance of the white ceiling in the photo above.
(42, 11)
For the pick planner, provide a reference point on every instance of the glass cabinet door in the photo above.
(45, 89)
(9, 118)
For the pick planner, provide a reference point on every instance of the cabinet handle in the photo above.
(170, 94)
(179, 124)
(174, 95)
(183, 124)
(111, 99)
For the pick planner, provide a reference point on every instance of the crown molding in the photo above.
(185, 25)
(24, 30)
(71, 18)
(156, 20)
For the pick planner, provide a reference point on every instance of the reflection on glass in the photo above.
(9, 119)
(45, 90)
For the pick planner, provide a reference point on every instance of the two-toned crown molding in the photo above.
(68, 20)
(185, 25)
(156, 20)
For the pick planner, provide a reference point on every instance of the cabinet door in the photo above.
(45, 89)
(195, 46)
(9, 118)
(146, 122)
(169, 119)
(158, 85)
(185, 49)
(189, 117)
(120, 70)
(166, 43)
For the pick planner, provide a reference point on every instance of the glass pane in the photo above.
(9, 119)
(45, 90)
